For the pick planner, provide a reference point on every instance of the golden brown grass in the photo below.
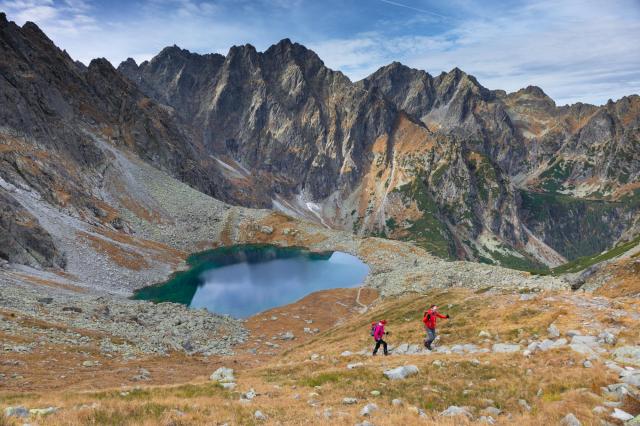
(554, 383)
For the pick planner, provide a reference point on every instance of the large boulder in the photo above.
(400, 373)
(570, 420)
(223, 375)
(453, 411)
(505, 348)
(628, 355)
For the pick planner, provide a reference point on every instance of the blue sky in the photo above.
(576, 50)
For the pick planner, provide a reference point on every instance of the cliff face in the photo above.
(441, 161)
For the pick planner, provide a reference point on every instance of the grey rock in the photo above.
(505, 348)
(222, 375)
(621, 415)
(400, 373)
(453, 411)
(628, 355)
(368, 409)
(570, 420)
(16, 412)
(524, 404)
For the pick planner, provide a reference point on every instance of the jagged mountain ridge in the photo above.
(278, 129)
(497, 143)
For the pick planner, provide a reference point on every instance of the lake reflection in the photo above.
(245, 280)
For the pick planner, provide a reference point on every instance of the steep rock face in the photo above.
(22, 239)
(281, 114)
(310, 142)
(51, 112)
(441, 161)
(583, 151)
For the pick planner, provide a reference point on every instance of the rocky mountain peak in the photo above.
(128, 66)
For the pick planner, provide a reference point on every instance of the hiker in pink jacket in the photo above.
(378, 333)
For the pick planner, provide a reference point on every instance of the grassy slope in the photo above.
(290, 383)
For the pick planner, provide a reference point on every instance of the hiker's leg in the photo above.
(384, 347)
(431, 336)
(375, 350)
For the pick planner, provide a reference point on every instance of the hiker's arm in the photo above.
(439, 315)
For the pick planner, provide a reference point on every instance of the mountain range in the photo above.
(460, 170)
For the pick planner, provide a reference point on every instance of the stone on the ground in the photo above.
(368, 409)
(365, 423)
(484, 334)
(265, 229)
(505, 348)
(607, 337)
(222, 375)
(437, 363)
(585, 340)
(42, 411)
(249, 395)
(354, 365)
(346, 353)
(90, 363)
(587, 364)
(487, 419)
(492, 411)
(582, 349)
(396, 402)
(456, 411)
(143, 374)
(628, 355)
(634, 422)
(259, 416)
(632, 379)
(621, 415)
(524, 404)
(553, 331)
(375, 393)
(570, 420)
(349, 401)
(287, 335)
(400, 373)
(16, 412)
(228, 385)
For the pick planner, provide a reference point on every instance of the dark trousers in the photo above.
(431, 336)
(384, 347)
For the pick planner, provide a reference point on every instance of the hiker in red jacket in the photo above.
(429, 320)
(378, 332)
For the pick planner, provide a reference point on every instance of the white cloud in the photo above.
(68, 17)
(575, 51)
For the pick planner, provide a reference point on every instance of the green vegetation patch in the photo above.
(428, 231)
(584, 262)
(577, 227)
(553, 178)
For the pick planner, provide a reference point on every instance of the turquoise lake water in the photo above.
(247, 279)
